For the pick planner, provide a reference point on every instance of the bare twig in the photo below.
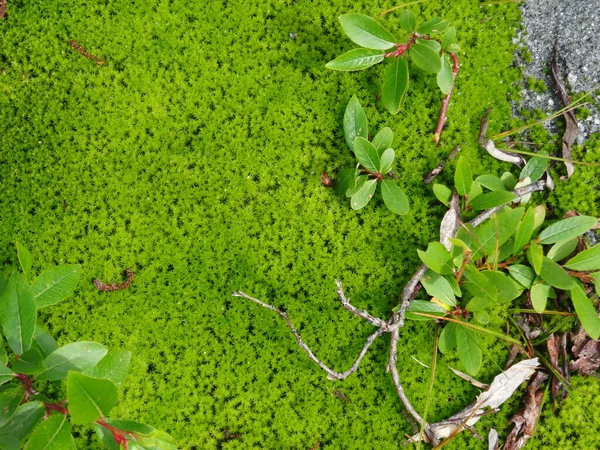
(332, 374)
(357, 312)
(102, 286)
(446, 102)
(82, 50)
(3, 4)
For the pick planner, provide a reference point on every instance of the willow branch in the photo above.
(376, 321)
(332, 374)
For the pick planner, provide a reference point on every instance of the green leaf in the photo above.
(524, 231)
(9, 442)
(491, 182)
(452, 48)
(495, 232)
(535, 255)
(366, 32)
(463, 178)
(447, 339)
(424, 307)
(479, 286)
(360, 182)
(344, 180)
(437, 258)
(10, 399)
(448, 37)
(53, 433)
(435, 25)
(355, 122)
(30, 362)
(144, 435)
(479, 304)
(5, 375)
(525, 275)
(539, 215)
(438, 287)
(482, 317)
(491, 200)
(55, 284)
(44, 341)
(555, 275)
(445, 77)
(442, 193)
(509, 181)
(585, 311)
(567, 229)
(356, 59)
(507, 288)
(24, 260)
(394, 197)
(433, 45)
(367, 155)
(586, 260)
(455, 286)
(364, 195)
(539, 296)
(534, 168)
(383, 140)
(469, 352)
(17, 313)
(387, 159)
(407, 21)
(425, 57)
(80, 356)
(113, 367)
(24, 420)
(562, 249)
(395, 85)
(89, 398)
(475, 191)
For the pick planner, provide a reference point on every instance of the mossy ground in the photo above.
(193, 156)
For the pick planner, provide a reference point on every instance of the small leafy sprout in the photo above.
(436, 55)
(375, 161)
(506, 259)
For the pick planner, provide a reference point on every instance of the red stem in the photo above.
(446, 102)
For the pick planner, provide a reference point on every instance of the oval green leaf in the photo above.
(447, 339)
(356, 59)
(437, 258)
(435, 25)
(437, 286)
(394, 197)
(567, 229)
(10, 399)
(586, 260)
(525, 275)
(80, 356)
(524, 231)
(491, 182)
(555, 275)
(24, 260)
(424, 57)
(445, 77)
(18, 313)
(469, 352)
(586, 312)
(55, 284)
(387, 159)
(383, 140)
(355, 122)
(539, 296)
(367, 155)
(366, 32)
(442, 193)
(562, 249)
(53, 433)
(408, 21)
(364, 195)
(89, 398)
(25, 419)
(463, 177)
(491, 200)
(535, 255)
(113, 367)
(395, 85)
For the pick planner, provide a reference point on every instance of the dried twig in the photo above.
(81, 50)
(571, 128)
(362, 314)
(332, 374)
(102, 286)
(430, 176)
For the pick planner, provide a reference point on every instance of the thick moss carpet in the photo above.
(193, 156)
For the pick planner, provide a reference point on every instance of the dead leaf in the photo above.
(483, 126)
(326, 181)
(571, 128)
(451, 222)
(526, 419)
(552, 343)
(493, 439)
(471, 380)
(502, 388)
(514, 351)
(586, 352)
(503, 156)
(3, 4)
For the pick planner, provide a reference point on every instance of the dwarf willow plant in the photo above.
(89, 372)
(375, 161)
(510, 257)
(431, 47)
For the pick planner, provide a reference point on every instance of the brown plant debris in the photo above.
(339, 394)
(571, 128)
(526, 419)
(451, 222)
(81, 50)
(586, 352)
(102, 286)
(3, 4)
(553, 345)
(490, 147)
(430, 176)
(326, 181)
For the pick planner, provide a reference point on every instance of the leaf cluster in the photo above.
(511, 257)
(375, 162)
(430, 46)
(90, 373)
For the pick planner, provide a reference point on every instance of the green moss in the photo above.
(536, 85)
(582, 113)
(193, 156)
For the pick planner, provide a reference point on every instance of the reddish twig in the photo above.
(446, 102)
(81, 50)
(3, 4)
(101, 286)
